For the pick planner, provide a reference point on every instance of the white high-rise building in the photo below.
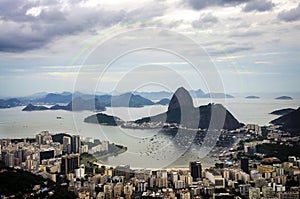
(80, 172)
(174, 176)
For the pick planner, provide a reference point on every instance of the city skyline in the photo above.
(252, 45)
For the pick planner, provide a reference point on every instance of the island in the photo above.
(252, 97)
(284, 98)
(101, 118)
(31, 107)
(282, 111)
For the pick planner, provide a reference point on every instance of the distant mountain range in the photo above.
(181, 111)
(155, 95)
(9, 103)
(216, 95)
(289, 122)
(77, 104)
(89, 102)
(194, 93)
(135, 99)
(53, 98)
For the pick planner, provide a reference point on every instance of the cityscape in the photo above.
(242, 171)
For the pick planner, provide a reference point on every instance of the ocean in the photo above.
(146, 148)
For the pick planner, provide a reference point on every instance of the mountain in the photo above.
(78, 104)
(182, 111)
(163, 101)
(194, 93)
(37, 95)
(129, 100)
(154, 95)
(67, 107)
(79, 101)
(124, 100)
(9, 103)
(66, 93)
(252, 97)
(284, 98)
(282, 111)
(101, 118)
(197, 93)
(53, 98)
(217, 95)
(289, 122)
(31, 107)
(181, 98)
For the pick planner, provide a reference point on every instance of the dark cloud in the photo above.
(15, 10)
(21, 36)
(290, 15)
(201, 4)
(258, 5)
(21, 32)
(14, 43)
(52, 15)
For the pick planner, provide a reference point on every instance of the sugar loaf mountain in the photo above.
(182, 111)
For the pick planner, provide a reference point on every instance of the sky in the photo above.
(232, 46)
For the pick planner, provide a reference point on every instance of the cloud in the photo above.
(263, 62)
(26, 26)
(290, 15)
(19, 37)
(259, 6)
(204, 20)
(245, 34)
(232, 49)
(201, 4)
(36, 32)
(15, 10)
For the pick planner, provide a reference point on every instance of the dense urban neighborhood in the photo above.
(263, 163)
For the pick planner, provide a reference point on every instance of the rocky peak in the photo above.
(181, 98)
